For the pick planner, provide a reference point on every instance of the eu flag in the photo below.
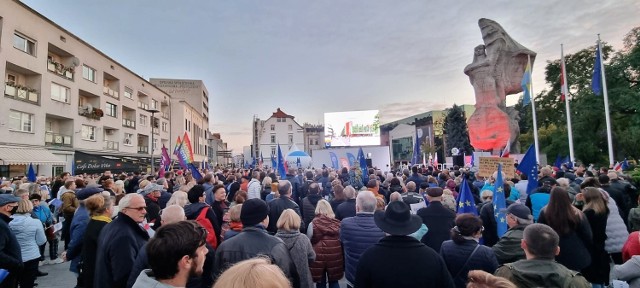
(466, 204)
(31, 174)
(274, 164)
(194, 171)
(363, 166)
(596, 79)
(529, 166)
(281, 170)
(499, 203)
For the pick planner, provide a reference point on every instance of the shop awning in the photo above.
(25, 156)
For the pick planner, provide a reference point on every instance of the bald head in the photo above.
(172, 214)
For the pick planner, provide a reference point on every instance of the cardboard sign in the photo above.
(488, 165)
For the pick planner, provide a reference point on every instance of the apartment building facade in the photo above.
(66, 106)
(189, 102)
(280, 128)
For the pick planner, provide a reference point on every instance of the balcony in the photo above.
(90, 112)
(22, 93)
(164, 115)
(142, 105)
(66, 72)
(129, 123)
(143, 150)
(110, 92)
(111, 145)
(57, 139)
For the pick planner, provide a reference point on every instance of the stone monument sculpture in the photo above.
(496, 71)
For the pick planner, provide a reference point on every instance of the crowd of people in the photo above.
(321, 227)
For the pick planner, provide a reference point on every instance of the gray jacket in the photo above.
(146, 281)
(617, 233)
(302, 254)
(629, 272)
(251, 242)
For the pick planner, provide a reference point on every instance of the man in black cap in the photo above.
(254, 241)
(399, 260)
(439, 219)
(10, 253)
(508, 247)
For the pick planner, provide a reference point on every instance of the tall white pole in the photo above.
(565, 91)
(606, 106)
(533, 112)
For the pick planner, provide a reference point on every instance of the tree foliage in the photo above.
(456, 131)
(622, 70)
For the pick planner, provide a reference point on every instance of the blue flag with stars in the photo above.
(529, 166)
(499, 203)
(465, 200)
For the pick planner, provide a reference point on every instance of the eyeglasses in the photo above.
(137, 208)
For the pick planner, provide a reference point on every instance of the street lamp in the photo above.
(153, 112)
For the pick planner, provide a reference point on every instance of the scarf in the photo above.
(101, 218)
(235, 226)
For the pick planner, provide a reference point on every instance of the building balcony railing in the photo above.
(111, 145)
(58, 68)
(129, 123)
(110, 92)
(143, 150)
(57, 139)
(21, 93)
(156, 131)
(164, 115)
(142, 105)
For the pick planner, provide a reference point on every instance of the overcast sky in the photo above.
(310, 57)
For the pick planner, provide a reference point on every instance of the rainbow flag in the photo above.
(181, 153)
(187, 142)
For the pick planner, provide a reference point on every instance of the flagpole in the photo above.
(606, 106)
(565, 91)
(533, 112)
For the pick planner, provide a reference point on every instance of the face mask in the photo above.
(14, 210)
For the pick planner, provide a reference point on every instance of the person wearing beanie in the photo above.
(254, 241)
(195, 210)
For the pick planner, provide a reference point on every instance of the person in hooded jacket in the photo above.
(197, 199)
(324, 232)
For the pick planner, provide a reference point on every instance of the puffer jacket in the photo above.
(616, 231)
(357, 234)
(326, 244)
(29, 233)
(253, 188)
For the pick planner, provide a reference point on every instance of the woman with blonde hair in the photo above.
(298, 244)
(234, 226)
(481, 279)
(324, 232)
(257, 272)
(266, 187)
(99, 207)
(30, 235)
(179, 198)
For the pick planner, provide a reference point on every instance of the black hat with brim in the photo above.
(397, 219)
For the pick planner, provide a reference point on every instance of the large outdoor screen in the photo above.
(351, 128)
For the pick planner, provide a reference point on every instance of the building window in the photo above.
(186, 124)
(290, 138)
(290, 127)
(128, 92)
(60, 93)
(128, 139)
(310, 141)
(273, 138)
(88, 133)
(89, 73)
(273, 151)
(154, 104)
(19, 121)
(316, 141)
(112, 109)
(165, 127)
(273, 127)
(24, 44)
(143, 120)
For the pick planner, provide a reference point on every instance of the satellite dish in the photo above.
(455, 151)
(89, 107)
(75, 61)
